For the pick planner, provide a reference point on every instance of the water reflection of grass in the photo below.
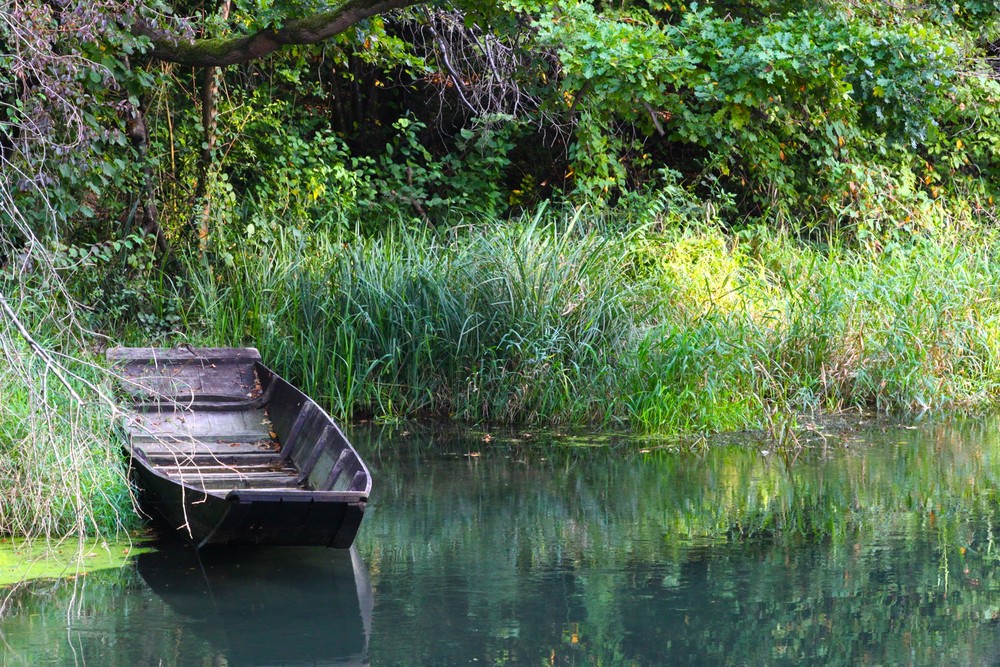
(877, 548)
(893, 483)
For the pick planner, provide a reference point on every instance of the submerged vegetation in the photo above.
(668, 218)
(26, 560)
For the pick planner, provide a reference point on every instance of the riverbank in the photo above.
(553, 323)
(62, 471)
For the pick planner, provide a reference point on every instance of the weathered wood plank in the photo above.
(231, 475)
(256, 482)
(189, 448)
(235, 460)
(187, 372)
(184, 354)
(222, 469)
(229, 425)
(228, 441)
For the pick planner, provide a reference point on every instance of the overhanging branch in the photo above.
(220, 52)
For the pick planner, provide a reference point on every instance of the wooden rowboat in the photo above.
(227, 452)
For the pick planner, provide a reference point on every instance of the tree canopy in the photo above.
(831, 114)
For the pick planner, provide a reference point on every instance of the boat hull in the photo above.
(290, 519)
(225, 452)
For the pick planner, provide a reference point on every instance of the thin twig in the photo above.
(42, 353)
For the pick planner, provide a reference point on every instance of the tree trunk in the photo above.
(209, 121)
(138, 134)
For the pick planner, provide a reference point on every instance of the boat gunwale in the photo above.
(236, 492)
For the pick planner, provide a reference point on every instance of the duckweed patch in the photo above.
(23, 560)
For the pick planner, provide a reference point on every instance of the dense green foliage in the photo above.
(831, 117)
(828, 115)
(819, 117)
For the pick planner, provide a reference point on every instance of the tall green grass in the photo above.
(524, 323)
(555, 322)
(62, 469)
(771, 323)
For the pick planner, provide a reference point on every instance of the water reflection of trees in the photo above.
(876, 548)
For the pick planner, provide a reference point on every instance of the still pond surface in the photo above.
(875, 547)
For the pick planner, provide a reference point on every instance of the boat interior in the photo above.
(219, 423)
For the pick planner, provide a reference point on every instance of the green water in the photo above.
(875, 547)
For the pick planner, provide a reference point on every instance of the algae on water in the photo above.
(21, 560)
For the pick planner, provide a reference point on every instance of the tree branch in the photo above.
(234, 50)
(36, 347)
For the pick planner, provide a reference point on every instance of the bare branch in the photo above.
(491, 73)
(50, 364)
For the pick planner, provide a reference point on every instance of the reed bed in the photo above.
(507, 325)
(561, 322)
(62, 470)
(61, 473)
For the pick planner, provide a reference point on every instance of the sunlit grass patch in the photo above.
(568, 321)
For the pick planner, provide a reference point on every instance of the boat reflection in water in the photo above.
(277, 606)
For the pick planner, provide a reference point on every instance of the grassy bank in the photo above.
(61, 467)
(564, 322)
(537, 322)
